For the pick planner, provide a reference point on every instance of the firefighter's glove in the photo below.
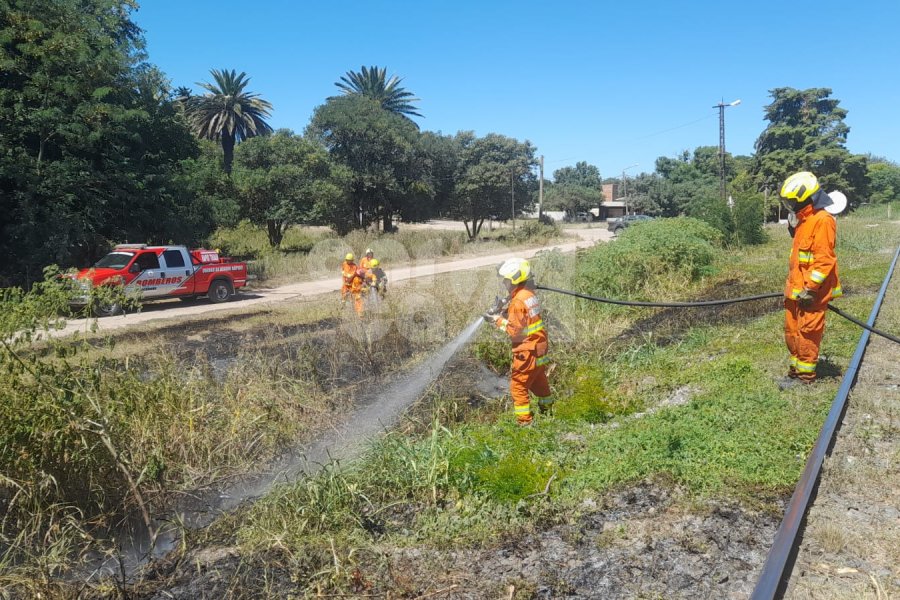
(805, 297)
(490, 317)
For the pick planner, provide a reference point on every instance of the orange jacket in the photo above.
(348, 270)
(357, 280)
(365, 262)
(813, 264)
(523, 322)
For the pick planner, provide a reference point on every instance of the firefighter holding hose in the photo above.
(812, 279)
(521, 320)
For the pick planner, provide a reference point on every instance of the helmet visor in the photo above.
(790, 205)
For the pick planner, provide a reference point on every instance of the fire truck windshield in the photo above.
(115, 260)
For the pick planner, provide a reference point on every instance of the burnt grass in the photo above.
(643, 540)
(670, 324)
(635, 542)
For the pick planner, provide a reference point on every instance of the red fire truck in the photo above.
(152, 272)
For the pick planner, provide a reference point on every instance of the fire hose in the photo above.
(700, 303)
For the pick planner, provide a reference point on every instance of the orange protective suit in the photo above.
(348, 271)
(525, 328)
(365, 262)
(356, 289)
(813, 266)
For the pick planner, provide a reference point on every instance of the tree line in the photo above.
(98, 147)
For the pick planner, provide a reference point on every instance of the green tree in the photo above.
(884, 178)
(205, 179)
(491, 170)
(283, 179)
(387, 166)
(441, 154)
(686, 180)
(373, 83)
(581, 175)
(574, 189)
(228, 113)
(806, 132)
(91, 144)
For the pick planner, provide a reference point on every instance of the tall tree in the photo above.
(228, 113)
(884, 178)
(388, 171)
(492, 170)
(582, 175)
(575, 189)
(283, 179)
(373, 83)
(806, 132)
(90, 143)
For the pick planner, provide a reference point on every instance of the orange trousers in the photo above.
(528, 376)
(803, 331)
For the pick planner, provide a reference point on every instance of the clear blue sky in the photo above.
(612, 84)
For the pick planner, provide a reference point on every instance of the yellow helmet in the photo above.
(349, 256)
(799, 187)
(374, 262)
(516, 270)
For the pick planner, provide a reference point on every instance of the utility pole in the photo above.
(721, 106)
(625, 186)
(541, 192)
(512, 195)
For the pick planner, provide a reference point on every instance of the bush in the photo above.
(648, 257)
(536, 231)
(246, 241)
(740, 225)
(748, 218)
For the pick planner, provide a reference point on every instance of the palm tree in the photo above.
(228, 113)
(373, 82)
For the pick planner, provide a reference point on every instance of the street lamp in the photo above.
(625, 186)
(721, 106)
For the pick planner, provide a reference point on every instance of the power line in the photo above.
(649, 135)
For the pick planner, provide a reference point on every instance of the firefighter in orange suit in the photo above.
(356, 289)
(348, 271)
(523, 323)
(812, 279)
(366, 261)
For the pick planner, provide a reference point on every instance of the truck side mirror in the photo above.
(134, 268)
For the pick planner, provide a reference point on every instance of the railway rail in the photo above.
(772, 582)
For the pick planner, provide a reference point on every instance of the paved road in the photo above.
(254, 299)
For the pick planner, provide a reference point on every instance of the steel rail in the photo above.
(776, 571)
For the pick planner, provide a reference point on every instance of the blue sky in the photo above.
(612, 84)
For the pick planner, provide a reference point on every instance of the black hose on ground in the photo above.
(711, 303)
(883, 334)
(661, 304)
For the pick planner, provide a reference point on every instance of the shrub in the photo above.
(647, 257)
(739, 225)
(246, 241)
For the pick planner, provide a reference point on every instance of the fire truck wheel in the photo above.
(219, 291)
(107, 309)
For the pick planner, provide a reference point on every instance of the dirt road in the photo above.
(254, 299)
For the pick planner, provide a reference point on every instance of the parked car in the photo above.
(580, 217)
(617, 225)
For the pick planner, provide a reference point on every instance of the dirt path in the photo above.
(255, 299)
